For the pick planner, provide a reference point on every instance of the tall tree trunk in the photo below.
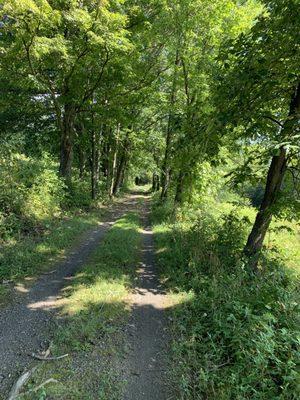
(81, 159)
(274, 182)
(95, 165)
(155, 182)
(66, 147)
(105, 152)
(121, 167)
(80, 147)
(123, 174)
(179, 188)
(114, 163)
(165, 173)
(263, 219)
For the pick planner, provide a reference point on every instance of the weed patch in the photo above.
(236, 333)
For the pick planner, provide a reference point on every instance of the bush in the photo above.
(236, 333)
(238, 338)
(78, 195)
(30, 193)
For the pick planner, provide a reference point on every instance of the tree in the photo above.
(265, 64)
(64, 50)
(196, 40)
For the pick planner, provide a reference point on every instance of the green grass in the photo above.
(25, 258)
(93, 311)
(236, 336)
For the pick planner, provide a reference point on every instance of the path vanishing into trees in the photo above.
(26, 325)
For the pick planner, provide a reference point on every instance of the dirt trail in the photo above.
(26, 327)
(145, 368)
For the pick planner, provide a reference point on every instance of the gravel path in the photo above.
(26, 327)
(145, 368)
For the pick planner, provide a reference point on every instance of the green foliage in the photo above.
(30, 193)
(235, 334)
(196, 94)
(266, 112)
(78, 195)
(255, 194)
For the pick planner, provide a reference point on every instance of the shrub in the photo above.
(78, 195)
(236, 333)
(30, 193)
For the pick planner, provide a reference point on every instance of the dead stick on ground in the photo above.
(51, 380)
(19, 384)
(42, 358)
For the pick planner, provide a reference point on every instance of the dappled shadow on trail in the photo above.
(26, 326)
(29, 326)
(146, 365)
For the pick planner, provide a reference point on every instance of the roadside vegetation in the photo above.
(39, 220)
(92, 314)
(235, 332)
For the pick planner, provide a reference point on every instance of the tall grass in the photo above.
(236, 335)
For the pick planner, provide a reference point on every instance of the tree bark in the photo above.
(95, 165)
(123, 174)
(81, 160)
(264, 217)
(105, 152)
(273, 186)
(119, 174)
(80, 148)
(114, 163)
(66, 149)
(165, 174)
(153, 182)
(120, 168)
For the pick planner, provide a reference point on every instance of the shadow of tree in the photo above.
(92, 315)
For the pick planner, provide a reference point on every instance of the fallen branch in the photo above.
(51, 380)
(19, 384)
(43, 358)
(47, 352)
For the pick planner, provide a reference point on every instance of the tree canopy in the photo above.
(114, 89)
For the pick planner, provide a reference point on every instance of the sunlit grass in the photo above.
(32, 255)
(220, 322)
(283, 236)
(93, 310)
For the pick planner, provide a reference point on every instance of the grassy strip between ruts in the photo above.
(92, 313)
(28, 257)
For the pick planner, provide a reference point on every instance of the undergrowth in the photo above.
(236, 335)
(25, 258)
(39, 218)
